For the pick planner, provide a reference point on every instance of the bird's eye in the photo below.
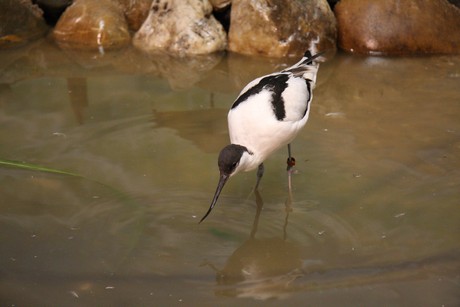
(234, 165)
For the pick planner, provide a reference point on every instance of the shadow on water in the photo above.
(373, 216)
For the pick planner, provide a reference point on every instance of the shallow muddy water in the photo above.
(128, 145)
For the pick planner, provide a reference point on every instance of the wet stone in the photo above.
(398, 27)
(88, 24)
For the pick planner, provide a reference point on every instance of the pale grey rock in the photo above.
(181, 27)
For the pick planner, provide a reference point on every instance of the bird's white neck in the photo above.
(249, 160)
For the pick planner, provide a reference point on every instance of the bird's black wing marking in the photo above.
(276, 84)
(307, 104)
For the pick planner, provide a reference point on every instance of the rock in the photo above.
(398, 27)
(88, 24)
(20, 23)
(136, 11)
(181, 27)
(280, 28)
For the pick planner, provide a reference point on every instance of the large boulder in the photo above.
(88, 24)
(398, 27)
(280, 28)
(20, 23)
(181, 27)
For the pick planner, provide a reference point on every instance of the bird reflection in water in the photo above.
(260, 268)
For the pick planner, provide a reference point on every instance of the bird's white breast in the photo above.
(253, 124)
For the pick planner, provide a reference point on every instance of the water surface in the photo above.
(374, 217)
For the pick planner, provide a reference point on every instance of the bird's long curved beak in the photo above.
(222, 180)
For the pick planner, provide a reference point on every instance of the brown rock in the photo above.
(88, 24)
(398, 27)
(279, 28)
(20, 23)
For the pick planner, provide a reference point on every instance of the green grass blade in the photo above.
(34, 167)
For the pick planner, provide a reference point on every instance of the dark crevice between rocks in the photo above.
(52, 9)
(455, 2)
(223, 16)
(332, 3)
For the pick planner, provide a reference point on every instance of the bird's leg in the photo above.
(290, 182)
(288, 209)
(260, 204)
(290, 164)
(260, 173)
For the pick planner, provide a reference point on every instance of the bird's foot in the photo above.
(290, 163)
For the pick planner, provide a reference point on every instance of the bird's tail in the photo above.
(306, 67)
(308, 58)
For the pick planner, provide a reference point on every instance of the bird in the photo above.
(267, 115)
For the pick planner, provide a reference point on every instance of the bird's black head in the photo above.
(229, 159)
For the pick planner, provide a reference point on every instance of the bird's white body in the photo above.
(253, 123)
(268, 114)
